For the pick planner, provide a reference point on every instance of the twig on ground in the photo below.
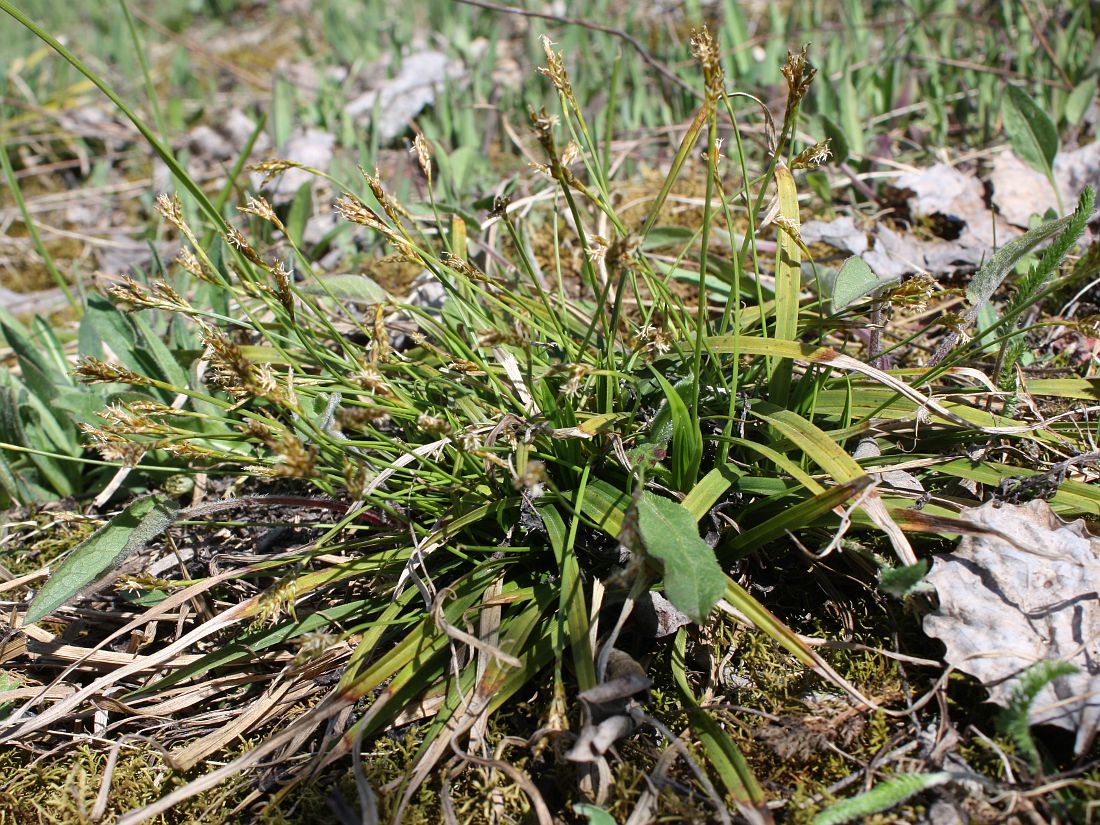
(629, 39)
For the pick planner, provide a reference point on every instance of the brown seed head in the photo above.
(813, 156)
(282, 278)
(93, 371)
(170, 208)
(705, 50)
(423, 156)
(296, 460)
(188, 262)
(392, 207)
(555, 69)
(263, 210)
(271, 168)
(544, 124)
(914, 293)
(113, 446)
(532, 478)
(236, 240)
(799, 73)
(350, 208)
(433, 424)
(130, 295)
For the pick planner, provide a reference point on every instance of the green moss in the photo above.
(63, 790)
(48, 535)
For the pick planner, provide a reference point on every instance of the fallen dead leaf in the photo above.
(1020, 192)
(941, 194)
(1025, 595)
(402, 97)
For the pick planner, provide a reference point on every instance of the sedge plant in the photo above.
(503, 476)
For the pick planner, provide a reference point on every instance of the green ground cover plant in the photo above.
(442, 522)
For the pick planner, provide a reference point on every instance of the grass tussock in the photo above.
(585, 526)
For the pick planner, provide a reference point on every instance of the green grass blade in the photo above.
(788, 281)
(162, 151)
(572, 608)
(798, 517)
(722, 752)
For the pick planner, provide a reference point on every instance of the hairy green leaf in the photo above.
(1013, 720)
(855, 280)
(693, 579)
(906, 580)
(1004, 260)
(1029, 129)
(141, 522)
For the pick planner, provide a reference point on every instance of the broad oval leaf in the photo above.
(1029, 129)
(352, 289)
(596, 815)
(141, 522)
(694, 581)
(1077, 104)
(855, 280)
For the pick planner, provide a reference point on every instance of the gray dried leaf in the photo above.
(940, 191)
(626, 680)
(596, 740)
(1025, 596)
(946, 191)
(1020, 192)
(402, 97)
(842, 233)
(655, 616)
